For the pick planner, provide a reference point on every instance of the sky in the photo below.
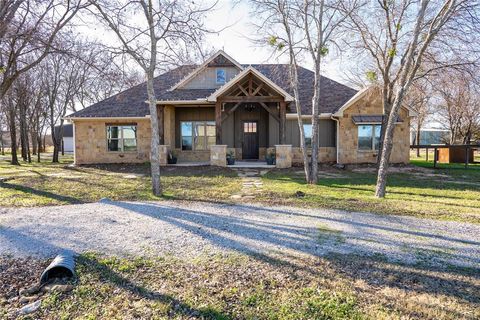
(236, 23)
(235, 40)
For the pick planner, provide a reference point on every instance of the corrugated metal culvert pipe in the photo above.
(63, 266)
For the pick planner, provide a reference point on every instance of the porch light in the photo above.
(249, 107)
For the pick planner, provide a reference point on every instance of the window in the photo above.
(197, 135)
(369, 137)
(249, 127)
(122, 138)
(221, 76)
(307, 128)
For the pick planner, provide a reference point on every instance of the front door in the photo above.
(250, 140)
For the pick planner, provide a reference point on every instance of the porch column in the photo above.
(283, 116)
(161, 125)
(218, 122)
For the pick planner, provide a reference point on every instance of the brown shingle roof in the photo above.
(131, 102)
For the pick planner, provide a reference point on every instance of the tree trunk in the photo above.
(13, 137)
(154, 157)
(2, 146)
(313, 178)
(56, 145)
(386, 110)
(22, 123)
(384, 162)
(418, 140)
(387, 146)
(33, 138)
(27, 143)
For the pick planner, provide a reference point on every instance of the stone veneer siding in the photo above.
(91, 142)
(348, 134)
(325, 155)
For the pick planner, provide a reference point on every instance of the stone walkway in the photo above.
(251, 183)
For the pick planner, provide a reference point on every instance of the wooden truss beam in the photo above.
(229, 112)
(270, 111)
(251, 99)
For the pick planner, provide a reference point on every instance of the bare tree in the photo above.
(400, 36)
(152, 34)
(30, 35)
(418, 99)
(459, 106)
(300, 28)
(64, 76)
(8, 8)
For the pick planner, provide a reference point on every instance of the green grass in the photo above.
(39, 184)
(449, 193)
(237, 286)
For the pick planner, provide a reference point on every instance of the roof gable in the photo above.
(362, 93)
(250, 70)
(219, 59)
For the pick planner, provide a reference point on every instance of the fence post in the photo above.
(466, 156)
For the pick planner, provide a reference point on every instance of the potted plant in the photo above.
(172, 158)
(230, 158)
(270, 158)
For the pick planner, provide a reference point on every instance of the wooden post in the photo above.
(283, 116)
(435, 157)
(466, 156)
(426, 155)
(218, 122)
(161, 124)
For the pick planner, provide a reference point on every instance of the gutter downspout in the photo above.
(337, 136)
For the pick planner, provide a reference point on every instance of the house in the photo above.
(223, 106)
(67, 140)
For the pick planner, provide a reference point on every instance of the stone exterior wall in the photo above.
(218, 155)
(91, 142)
(325, 155)
(283, 156)
(193, 156)
(348, 134)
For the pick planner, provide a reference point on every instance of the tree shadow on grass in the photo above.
(236, 233)
(176, 307)
(41, 193)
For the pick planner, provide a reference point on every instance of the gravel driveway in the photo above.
(193, 228)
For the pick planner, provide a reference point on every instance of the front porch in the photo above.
(246, 120)
(238, 164)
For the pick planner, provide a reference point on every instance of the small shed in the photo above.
(455, 154)
(67, 141)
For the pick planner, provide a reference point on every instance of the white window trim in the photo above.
(373, 125)
(120, 139)
(225, 74)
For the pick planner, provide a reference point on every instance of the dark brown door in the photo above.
(250, 140)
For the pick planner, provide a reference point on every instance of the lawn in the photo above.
(237, 286)
(45, 183)
(449, 193)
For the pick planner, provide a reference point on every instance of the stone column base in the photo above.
(283, 156)
(218, 155)
(163, 151)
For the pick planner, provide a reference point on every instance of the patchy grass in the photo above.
(237, 286)
(450, 193)
(38, 184)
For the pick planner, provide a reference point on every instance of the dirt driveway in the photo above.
(186, 229)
